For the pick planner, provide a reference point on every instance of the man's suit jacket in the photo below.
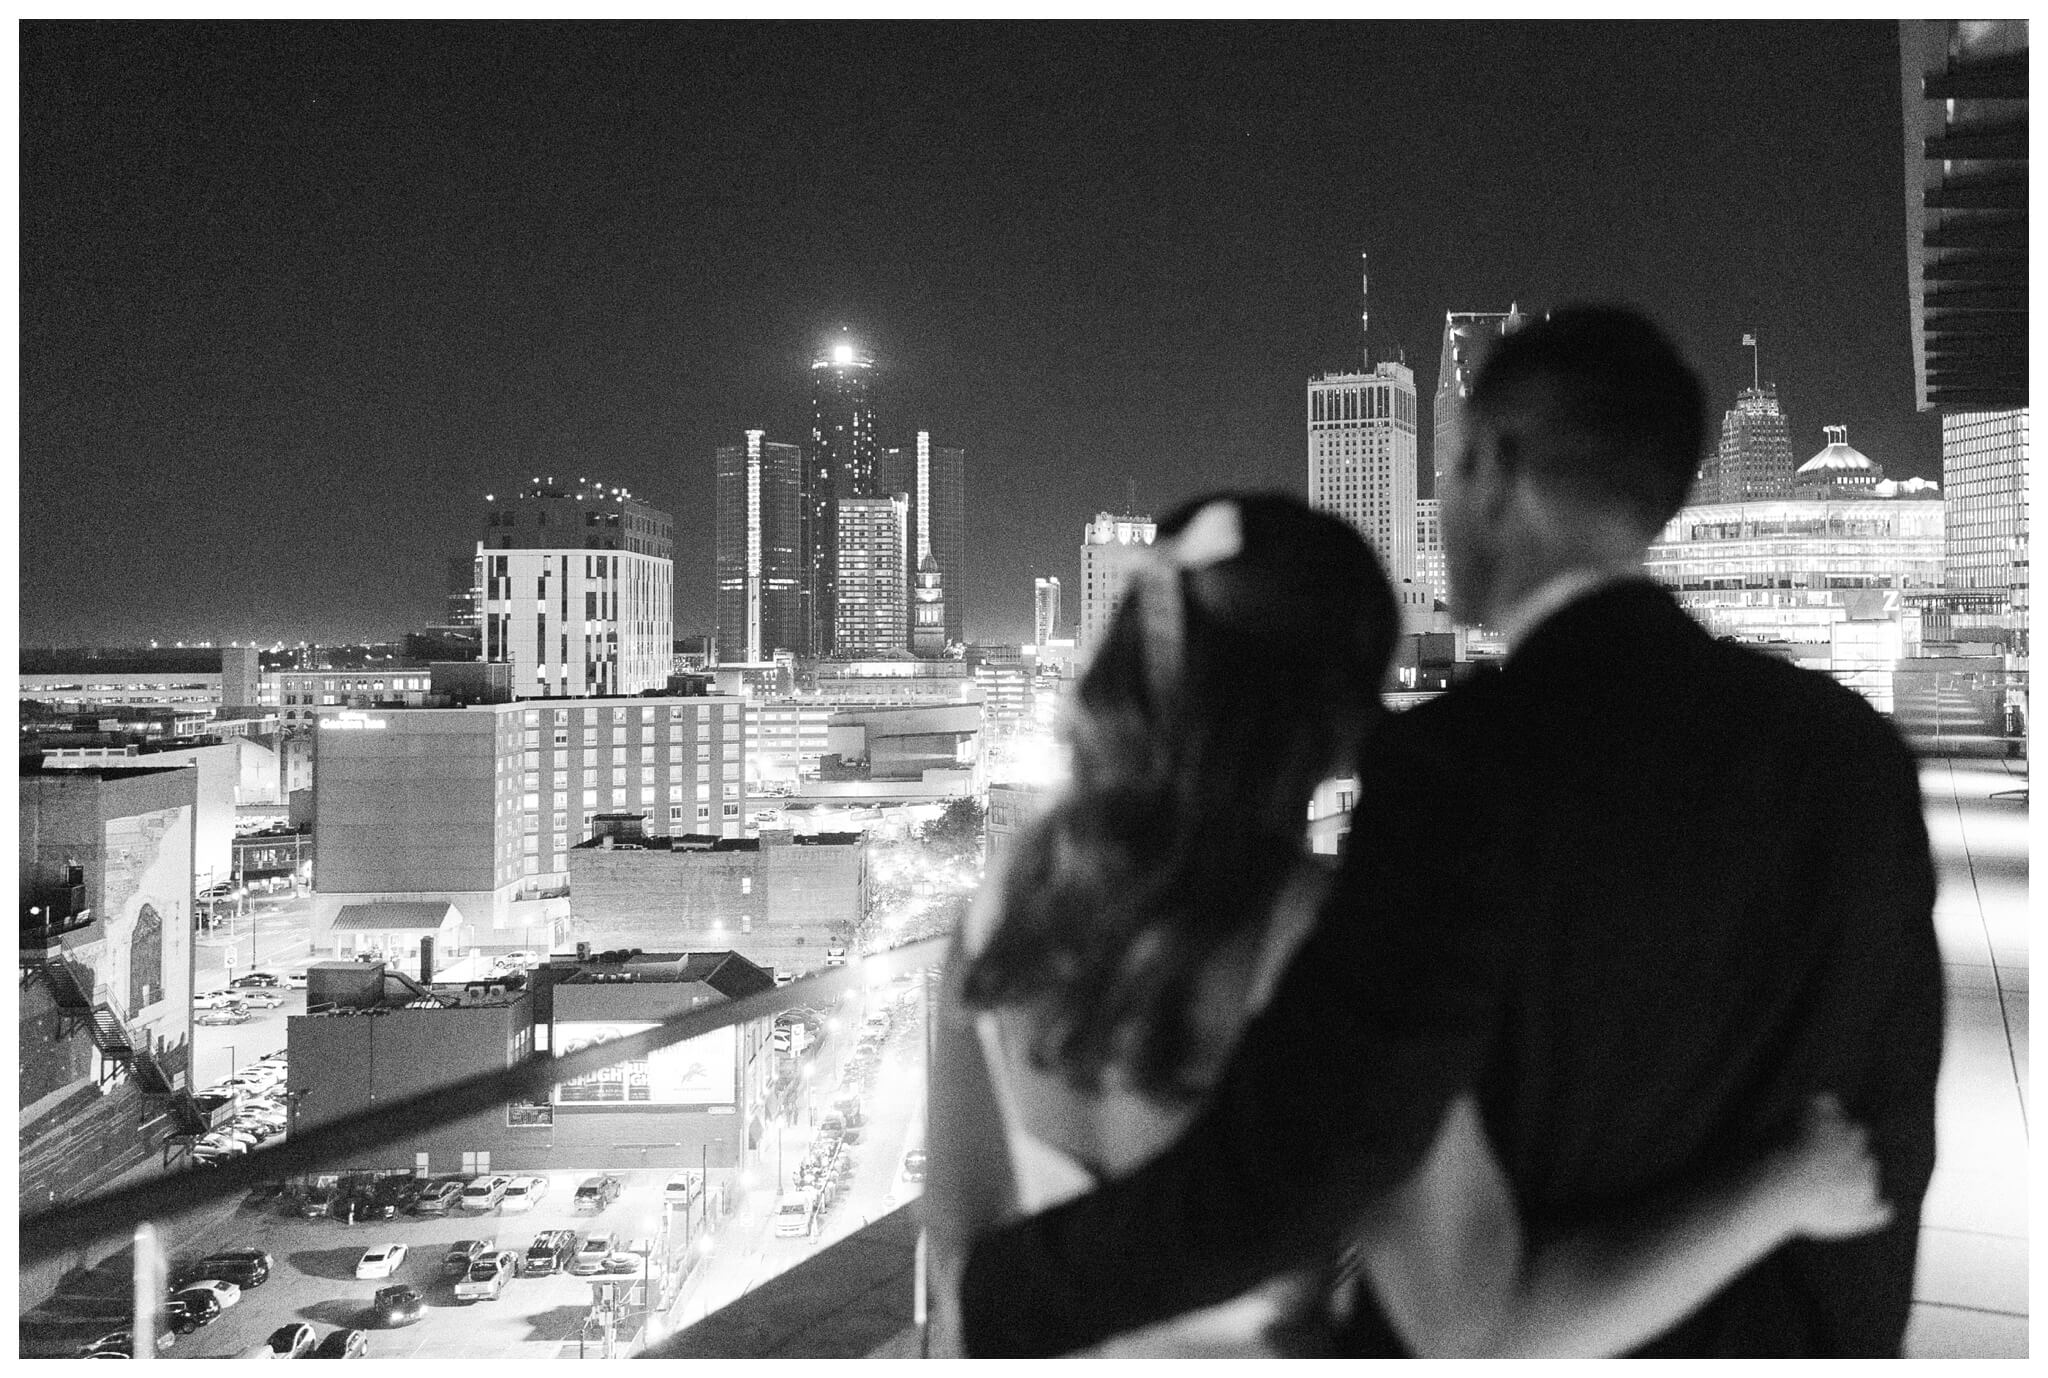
(1645, 892)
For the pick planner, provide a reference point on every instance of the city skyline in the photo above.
(296, 295)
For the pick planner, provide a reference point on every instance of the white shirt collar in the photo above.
(1551, 596)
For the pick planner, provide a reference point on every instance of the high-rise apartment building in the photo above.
(1362, 458)
(1753, 461)
(841, 462)
(760, 555)
(1110, 546)
(1466, 334)
(578, 589)
(873, 598)
(1045, 609)
(934, 478)
(1429, 547)
(1984, 483)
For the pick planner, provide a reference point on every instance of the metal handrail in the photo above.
(65, 1228)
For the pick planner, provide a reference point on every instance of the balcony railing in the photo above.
(66, 1230)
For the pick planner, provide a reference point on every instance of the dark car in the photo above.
(344, 1344)
(318, 1202)
(294, 1341)
(401, 1192)
(245, 1268)
(264, 1194)
(362, 1204)
(436, 1198)
(462, 1254)
(597, 1193)
(121, 1345)
(395, 1306)
(258, 980)
(187, 1311)
(550, 1251)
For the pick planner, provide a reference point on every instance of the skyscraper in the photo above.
(1429, 546)
(1984, 466)
(1110, 546)
(1466, 334)
(1362, 457)
(934, 478)
(759, 556)
(1754, 458)
(873, 596)
(578, 587)
(1045, 609)
(841, 463)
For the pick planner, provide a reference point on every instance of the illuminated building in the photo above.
(1430, 570)
(1754, 456)
(759, 551)
(1840, 470)
(841, 462)
(1466, 334)
(1362, 456)
(578, 588)
(478, 807)
(934, 479)
(1045, 610)
(1110, 546)
(1984, 472)
(1830, 582)
(873, 603)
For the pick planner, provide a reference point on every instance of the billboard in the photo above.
(699, 1071)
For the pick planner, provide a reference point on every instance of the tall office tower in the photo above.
(873, 602)
(760, 565)
(464, 596)
(1753, 462)
(578, 591)
(1045, 609)
(840, 463)
(934, 476)
(1466, 334)
(928, 610)
(1110, 545)
(1361, 457)
(1429, 546)
(1963, 86)
(1984, 471)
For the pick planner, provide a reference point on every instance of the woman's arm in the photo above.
(1446, 1258)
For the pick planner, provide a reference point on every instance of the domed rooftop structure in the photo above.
(1840, 462)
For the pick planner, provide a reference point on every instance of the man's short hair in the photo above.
(1596, 401)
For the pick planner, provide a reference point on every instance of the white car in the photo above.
(382, 1261)
(295, 980)
(523, 1193)
(261, 999)
(218, 1000)
(226, 1293)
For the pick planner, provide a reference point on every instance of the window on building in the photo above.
(732, 810)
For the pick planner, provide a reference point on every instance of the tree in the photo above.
(956, 833)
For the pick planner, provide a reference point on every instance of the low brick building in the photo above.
(780, 900)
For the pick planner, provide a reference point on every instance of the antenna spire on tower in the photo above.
(1364, 312)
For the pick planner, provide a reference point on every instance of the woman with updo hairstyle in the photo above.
(1137, 925)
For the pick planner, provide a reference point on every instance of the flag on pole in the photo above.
(1749, 340)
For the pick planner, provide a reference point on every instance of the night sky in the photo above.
(296, 296)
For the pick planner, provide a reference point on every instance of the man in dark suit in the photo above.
(1644, 891)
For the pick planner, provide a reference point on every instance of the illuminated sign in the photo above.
(700, 1071)
(350, 721)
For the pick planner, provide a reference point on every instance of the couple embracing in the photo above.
(1615, 1030)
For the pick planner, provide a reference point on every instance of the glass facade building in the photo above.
(759, 554)
(934, 477)
(1984, 476)
(841, 463)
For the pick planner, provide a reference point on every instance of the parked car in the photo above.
(226, 1293)
(590, 1256)
(399, 1192)
(682, 1188)
(550, 1252)
(258, 980)
(222, 1018)
(345, 1343)
(381, 1261)
(487, 1277)
(464, 1253)
(437, 1199)
(262, 999)
(795, 1213)
(318, 1202)
(295, 980)
(245, 1268)
(294, 1341)
(522, 1193)
(482, 1193)
(188, 1311)
(395, 1306)
(264, 1194)
(217, 1000)
(121, 1345)
(597, 1193)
